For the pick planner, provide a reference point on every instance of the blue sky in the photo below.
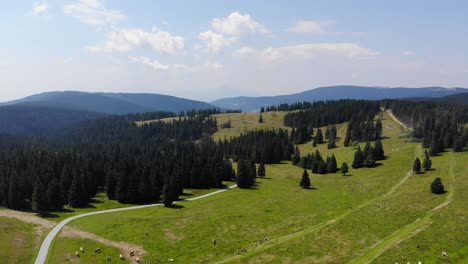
(210, 49)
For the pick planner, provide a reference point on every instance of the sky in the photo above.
(206, 50)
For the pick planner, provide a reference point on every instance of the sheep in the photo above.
(109, 259)
(266, 239)
(82, 249)
(214, 241)
(137, 260)
(97, 250)
(77, 254)
(170, 260)
(132, 253)
(444, 254)
(419, 262)
(121, 257)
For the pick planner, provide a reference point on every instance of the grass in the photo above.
(277, 209)
(64, 252)
(18, 241)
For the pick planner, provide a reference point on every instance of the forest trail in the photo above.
(411, 229)
(389, 112)
(44, 250)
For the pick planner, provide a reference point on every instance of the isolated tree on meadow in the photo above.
(437, 187)
(417, 166)
(260, 120)
(319, 136)
(427, 163)
(305, 180)
(344, 168)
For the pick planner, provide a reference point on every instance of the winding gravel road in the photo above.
(43, 251)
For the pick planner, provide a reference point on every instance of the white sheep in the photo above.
(82, 249)
(121, 257)
(170, 260)
(77, 254)
(444, 254)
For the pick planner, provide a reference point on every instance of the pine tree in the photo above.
(331, 143)
(437, 187)
(458, 144)
(369, 162)
(319, 136)
(417, 166)
(39, 198)
(358, 161)
(111, 183)
(262, 109)
(15, 201)
(77, 196)
(296, 157)
(54, 196)
(145, 190)
(347, 140)
(260, 120)
(378, 129)
(170, 192)
(367, 149)
(305, 180)
(314, 143)
(427, 163)
(344, 168)
(261, 169)
(322, 168)
(332, 166)
(244, 179)
(379, 153)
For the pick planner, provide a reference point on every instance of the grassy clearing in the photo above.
(18, 241)
(64, 252)
(238, 218)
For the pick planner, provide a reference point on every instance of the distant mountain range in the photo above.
(336, 92)
(110, 103)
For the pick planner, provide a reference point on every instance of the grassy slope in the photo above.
(18, 241)
(240, 217)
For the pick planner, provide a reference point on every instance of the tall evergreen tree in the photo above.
(54, 196)
(378, 129)
(244, 179)
(369, 162)
(39, 198)
(322, 167)
(77, 196)
(296, 157)
(417, 166)
(427, 163)
(347, 140)
(260, 119)
(344, 168)
(358, 161)
(305, 180)
(332, 166)
(170, 192)
(319, 136)
(331, 143)
(261, 169)
(15, 200)
(379, 153)
(111, 183)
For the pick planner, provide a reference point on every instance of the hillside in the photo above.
(111, 103)
(461, 99)
(334, 92)
(30, 120)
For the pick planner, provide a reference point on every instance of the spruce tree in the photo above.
(77, 196)
(296, 157)
(15, 201)
(367, 149)
(319, 136)
(369, 162)
(170, 192)
(54, 196)
(458, 144)
(378, 129)
(437, 187)
(39, 198)
(347, 140)
(244, 179)
(417, 166)
(260, 120)
(305, 180)
(261, 169)
(344, 168)
(379, 153)
(322, 168)
(427, 163)
(358, 161)
(331, 143)
(332, 166)
(111, 183)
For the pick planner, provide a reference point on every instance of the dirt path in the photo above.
(410, 230)
(397, 120)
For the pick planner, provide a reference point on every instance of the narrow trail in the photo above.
(254, 249)
(389, 112)
(411, 229)
(44, 250)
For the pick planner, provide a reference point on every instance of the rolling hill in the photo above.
(335, 92)
(110, 103)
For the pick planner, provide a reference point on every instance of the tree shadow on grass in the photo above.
(176, 206)
(310, 188)
(47, 215)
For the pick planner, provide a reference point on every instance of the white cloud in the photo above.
(309, 26)
(92, 12)
(39, 8)
(408, 53)
(157, 66)
(309, 51)
(214, 42)
(226, 31)
(237, 24)
(127, 39)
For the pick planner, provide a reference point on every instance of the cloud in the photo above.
(309, 51)
(92, 12)
(157, 66)
(237, 24)
(226, 31)
(408, 53)
(124, 40)
(214, 42)
(39, 8)
(309, 26)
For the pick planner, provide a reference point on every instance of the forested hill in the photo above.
(24, 120)
(334, 93)
(111, 103)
